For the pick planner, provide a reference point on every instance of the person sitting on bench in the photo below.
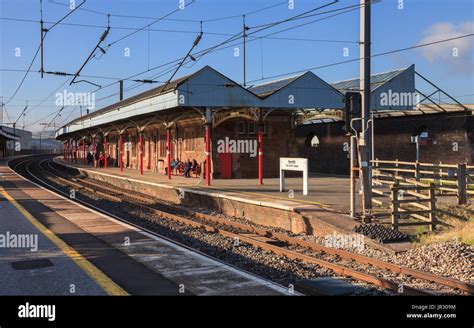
(173, 164)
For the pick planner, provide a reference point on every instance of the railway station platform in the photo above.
(69, 249)
(324, 190)
(323, 211)
(31, 264)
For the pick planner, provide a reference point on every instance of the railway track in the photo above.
(384, 275)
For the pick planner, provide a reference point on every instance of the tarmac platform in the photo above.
(323, 211)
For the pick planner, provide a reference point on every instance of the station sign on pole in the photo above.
(294, 164)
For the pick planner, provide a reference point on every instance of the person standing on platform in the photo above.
(187, 168)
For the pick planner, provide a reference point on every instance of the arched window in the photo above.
(312, 140)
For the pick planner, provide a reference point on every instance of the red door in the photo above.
(226, 165)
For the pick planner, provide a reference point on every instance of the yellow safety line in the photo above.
(109, 286)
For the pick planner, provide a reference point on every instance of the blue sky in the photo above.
(67, 46)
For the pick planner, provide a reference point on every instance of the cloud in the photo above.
(457, 54)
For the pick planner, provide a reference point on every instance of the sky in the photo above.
(321, 39)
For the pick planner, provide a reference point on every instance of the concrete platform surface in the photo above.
(64, 277)
(324, 190)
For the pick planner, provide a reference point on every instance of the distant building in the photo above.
(6, 140)
(24, 135)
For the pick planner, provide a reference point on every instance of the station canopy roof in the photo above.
(376, 80)
(7, 135)
(209, 88)
(267, 89)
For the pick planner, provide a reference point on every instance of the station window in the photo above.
(133, 145)
(312, 140)
(264, 128)
(162, 146)
(241, 127)
(252, 128)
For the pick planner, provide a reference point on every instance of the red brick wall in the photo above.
(278, 141)
(392, 141)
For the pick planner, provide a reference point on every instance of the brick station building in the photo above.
(189, 117)
(449, 128)
(193, 117)
(450, 138)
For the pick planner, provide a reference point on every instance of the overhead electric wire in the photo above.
(72, 74)
(348, 61)
(212, 48)
(357, 59)
(177, 19)
(229, 40)
(47, 97)
(235, 37)
(299, 16)
(372, 56)
(308, 14)
(148, 25)
(54, 118)
(246, 14)
(113, 27)
(24, 76)
(39, 47)
(67, 15)
(124, 16)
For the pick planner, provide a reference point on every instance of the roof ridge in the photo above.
(376, 74)
(278, 80)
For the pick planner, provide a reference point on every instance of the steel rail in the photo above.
(42, 184)
(347, 255)
(337, 268)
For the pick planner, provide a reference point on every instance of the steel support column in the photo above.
(93, 152)
(208, 123)
(140, 152)
(121, 153)
(105, 152)
(168, 150)
(208, 154)
(74, 155)
(260, 153)
(148, 151)
(84, 159)
(364, 86)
